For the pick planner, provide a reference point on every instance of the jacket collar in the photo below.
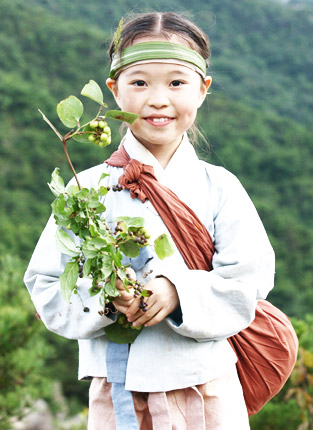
(184, 157)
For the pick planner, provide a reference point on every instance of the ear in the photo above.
(204, 88)
(112, 85)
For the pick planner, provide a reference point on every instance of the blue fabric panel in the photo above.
(116, 361)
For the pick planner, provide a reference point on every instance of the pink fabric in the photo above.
(159, 411)
(216, 405)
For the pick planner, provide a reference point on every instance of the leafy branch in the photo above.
(96, 250)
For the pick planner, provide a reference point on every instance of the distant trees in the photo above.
(24, 348)
(257, 121)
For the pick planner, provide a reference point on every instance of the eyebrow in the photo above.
(142, 72)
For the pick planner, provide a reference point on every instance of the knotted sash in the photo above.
(180, 220)
(267, 349)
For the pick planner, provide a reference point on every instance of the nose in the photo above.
(158, 98)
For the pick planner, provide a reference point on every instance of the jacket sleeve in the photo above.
(42, 281)
(218, 304)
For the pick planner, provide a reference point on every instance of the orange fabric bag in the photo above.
(267, 349)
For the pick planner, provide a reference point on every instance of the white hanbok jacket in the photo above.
(214, 305)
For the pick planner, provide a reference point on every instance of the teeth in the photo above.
(158, 120)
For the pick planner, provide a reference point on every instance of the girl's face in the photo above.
(166, 98)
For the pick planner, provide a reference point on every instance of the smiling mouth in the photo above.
(159, 121)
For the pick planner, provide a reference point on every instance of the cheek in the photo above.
(129, 103)
(189, 105)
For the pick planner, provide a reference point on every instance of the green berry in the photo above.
(121, 319)
(94, 124)
(107, 130)
(104, 137)
(105, 140)
(91, 138)
(102, 124)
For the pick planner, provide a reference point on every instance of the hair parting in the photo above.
(161, 24)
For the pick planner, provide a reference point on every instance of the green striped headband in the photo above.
(156, 50)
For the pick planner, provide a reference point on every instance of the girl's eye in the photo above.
(139, 83)
(177, 83)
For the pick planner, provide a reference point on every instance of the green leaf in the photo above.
(83, 138)
(104, 175)
(87, 267)
(100, 208)
(66, 244)
(164, 246)
(83, 194)
(146, 293)
(121, 116)
(130, 249)
(89, 251)
(102, 191)
(123, 218)
(94, 92)
(72, 190)
(57, 184)
(136, 222)
(111, 290)
(70, 111)
(119, 334)
(107, 266)
(58, 206)
(99, 243)
(93, 228)
(68, 279)
(121, 273)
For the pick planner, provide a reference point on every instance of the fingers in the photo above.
(125, 295)
(160, 304)
(154, 315)
(130, 273)
(121, 308)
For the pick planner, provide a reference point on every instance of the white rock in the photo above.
(38, 417)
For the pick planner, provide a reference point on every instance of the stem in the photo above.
(51, 125)
(78, 132)
(64, 139)
(69, 161)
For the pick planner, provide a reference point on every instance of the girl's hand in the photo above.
(161, 303)
(123, 302)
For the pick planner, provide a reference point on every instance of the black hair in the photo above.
(165, 24)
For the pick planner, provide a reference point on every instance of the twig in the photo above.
(69, 161)
(51, 125)
(63, 139)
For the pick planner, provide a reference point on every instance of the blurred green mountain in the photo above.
(257, 119)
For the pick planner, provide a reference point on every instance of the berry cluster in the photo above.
(118, 187)
(100, 133)
(121, 319)
(137, 234)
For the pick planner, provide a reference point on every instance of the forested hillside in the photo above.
(257, 119)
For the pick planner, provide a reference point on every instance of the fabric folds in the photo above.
(267, 349)
(183, 224)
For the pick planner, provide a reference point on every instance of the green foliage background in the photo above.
(257, 121)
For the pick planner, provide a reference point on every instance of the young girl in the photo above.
(180, 373)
